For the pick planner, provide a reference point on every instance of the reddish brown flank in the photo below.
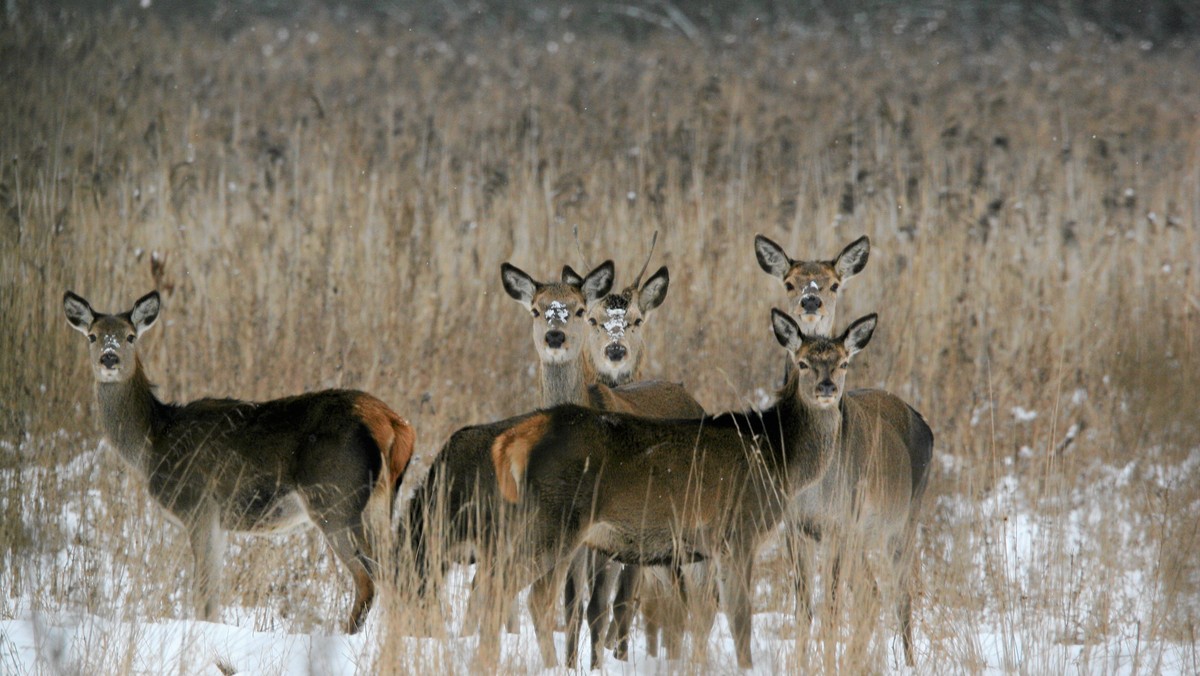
(510, 453)
(394, 436)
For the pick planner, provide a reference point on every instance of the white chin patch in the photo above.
(107, 375)
(555, 355)
(810, 317)
(826, 402)
(616, 370)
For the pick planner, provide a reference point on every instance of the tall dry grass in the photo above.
(329, 200)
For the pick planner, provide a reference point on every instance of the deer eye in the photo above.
(844, 365)
(592, 321)
(130, 338)
(835, 287)
(579, 312)
(91, 337)
(803, 366)
(637, 322)
(789, 286)
(536, 313)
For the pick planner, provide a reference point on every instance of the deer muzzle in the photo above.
(615, 351)
(810, 304)
(555, 339)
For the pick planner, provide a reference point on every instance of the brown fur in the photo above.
(828, 276)
(394, 436)
(873, 492)
(331, 458)
(655, 492)
(462, 487)
(510, 454)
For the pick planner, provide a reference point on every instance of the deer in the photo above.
(458, 495)
(665, 492)
(813, 286)
(875, 487)
(334, 458)
(616, 347)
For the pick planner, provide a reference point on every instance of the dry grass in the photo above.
(333, 197)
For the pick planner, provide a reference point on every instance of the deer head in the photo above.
(820, 362)
(558, 308)
(813, 286)
(615, 341)
(113, 338)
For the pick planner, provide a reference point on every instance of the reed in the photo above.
(322, 202)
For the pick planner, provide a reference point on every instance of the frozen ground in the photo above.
(1038, 547)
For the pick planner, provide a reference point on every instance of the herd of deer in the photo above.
(623, 487)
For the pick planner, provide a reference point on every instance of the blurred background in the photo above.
(324, 192)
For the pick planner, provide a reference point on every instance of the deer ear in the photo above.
(145, 312)
(654, 291)
(859, 333)
(598, 282)
(853, 258)
(771, 257)
(569, 276)
(79, 313)
(787, 332)
(518, 284)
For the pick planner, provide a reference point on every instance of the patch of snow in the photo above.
(1022, 415)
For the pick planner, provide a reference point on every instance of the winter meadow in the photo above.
(323, 197)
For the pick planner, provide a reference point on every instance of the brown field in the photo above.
(331, 199)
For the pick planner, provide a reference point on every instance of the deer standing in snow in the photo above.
(665, 492)
(459, 498)
(216, 465)
(873, 491)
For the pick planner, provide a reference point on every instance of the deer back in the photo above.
(650, 398)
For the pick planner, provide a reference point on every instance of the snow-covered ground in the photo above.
(1064, 582)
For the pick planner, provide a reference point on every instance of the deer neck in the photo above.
(566, 382)
(131, 415)
(812, 437)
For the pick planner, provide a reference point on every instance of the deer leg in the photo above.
(572, 602)
(737, 570)
(541, 607)
(624, 608)
(486, 602)
(208, 548)
(475, 601)
(677, 615)
(485, 593)
(703, 602)
(604, 572)
(903, 565)
(652, 632)
(348, 544)
(338, 512)
(799, 551)
(904, 610)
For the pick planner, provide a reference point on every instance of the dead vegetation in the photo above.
(326, 201)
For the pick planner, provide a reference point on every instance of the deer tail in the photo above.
(395, 438)
(510, 454)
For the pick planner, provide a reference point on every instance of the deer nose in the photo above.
(826, 388)
(555, 338)
(109, 360)
(810, 303)
(615, 352)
